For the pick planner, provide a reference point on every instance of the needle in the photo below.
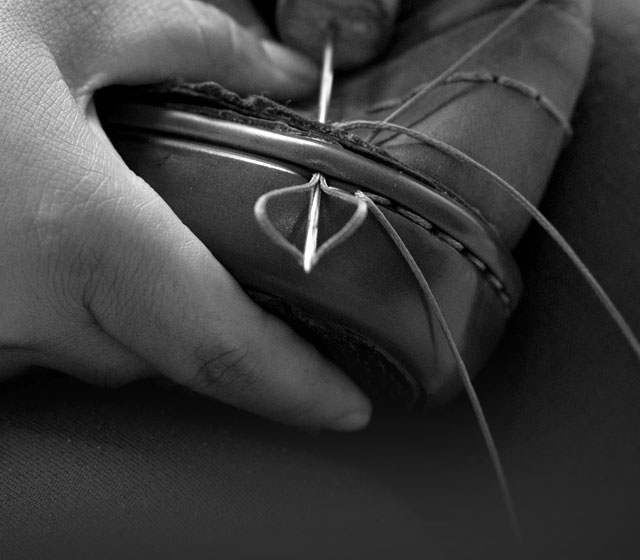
(326, 80)
(317, 187)
(326, 85)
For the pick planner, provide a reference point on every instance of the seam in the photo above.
(483, 269)
(516, 85)
(481, 77)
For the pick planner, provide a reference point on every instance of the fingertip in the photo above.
(352, 421)
(299, 73)
(308, 389)
(342, 406)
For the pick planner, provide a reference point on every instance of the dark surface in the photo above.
(150, 470)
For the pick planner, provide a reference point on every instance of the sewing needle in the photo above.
(326, 85)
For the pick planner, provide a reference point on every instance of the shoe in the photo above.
(212, 155)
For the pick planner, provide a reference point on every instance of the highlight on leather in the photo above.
(355, 221)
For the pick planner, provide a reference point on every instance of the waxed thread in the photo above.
(520, 87)
(489, 78)
(422, 91)
(262, 217)
(432, 304)
(449, 75)
(466, 380)
(545, 224)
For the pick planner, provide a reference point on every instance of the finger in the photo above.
(244, 12)
(361, 28)
(94, 235)
(155, 40)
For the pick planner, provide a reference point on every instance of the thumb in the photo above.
(155, 40)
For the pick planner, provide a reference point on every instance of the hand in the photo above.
(99, 278)
(361, 29)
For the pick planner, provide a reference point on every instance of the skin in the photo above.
(99, 278)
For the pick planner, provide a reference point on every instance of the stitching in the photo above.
(496, 283)
(488, 78)
(515, 85)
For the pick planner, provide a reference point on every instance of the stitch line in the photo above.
(494, 281)
(488, 77)
(433, 304)
(426, 88)
(614, 313)
(516, 85)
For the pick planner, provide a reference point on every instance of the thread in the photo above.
(432, 304)
(449, 75)
(520, 87)
(422, 91)
(316, 182)
(545, 224)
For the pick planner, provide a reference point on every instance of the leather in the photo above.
(211, 155)
(354, 290)
(507, 131)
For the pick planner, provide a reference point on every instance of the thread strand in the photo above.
(421, 92)
(544, 223)
(432, 304)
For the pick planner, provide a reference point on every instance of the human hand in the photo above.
(361, 28)
(99, 278)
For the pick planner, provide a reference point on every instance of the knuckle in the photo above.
(72, 230)
(64, 227)
(229, 370)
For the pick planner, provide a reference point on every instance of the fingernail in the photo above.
(352, 421)
(291, 63)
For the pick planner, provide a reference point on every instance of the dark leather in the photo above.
(548, 49)
(361, 305)
(145, 471)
